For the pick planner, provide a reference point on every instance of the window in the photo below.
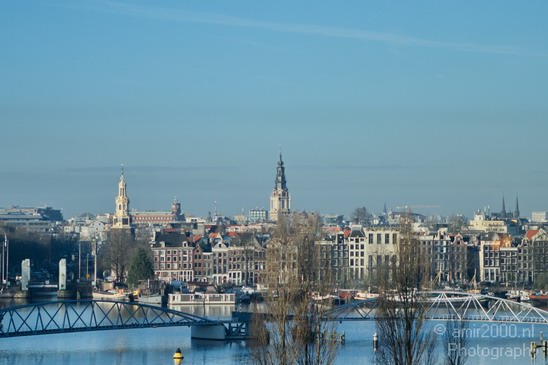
(379, 237)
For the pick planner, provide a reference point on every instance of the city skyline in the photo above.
(424, 104)
(216, 206)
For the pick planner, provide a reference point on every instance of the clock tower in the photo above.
(280, 200)
(122, 220)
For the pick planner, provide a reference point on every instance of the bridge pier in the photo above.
(24, 293)
(213, 332)
(231, 331)
(237, 329)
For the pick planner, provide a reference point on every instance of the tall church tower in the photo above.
(176, 210)
(122, 220)
(280, 200)
(516, 211)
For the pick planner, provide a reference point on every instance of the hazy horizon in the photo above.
(426, 104)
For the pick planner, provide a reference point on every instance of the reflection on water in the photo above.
(489, 344)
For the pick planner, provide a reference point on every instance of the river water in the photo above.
(498, 343)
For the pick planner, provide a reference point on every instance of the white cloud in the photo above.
(176, 15)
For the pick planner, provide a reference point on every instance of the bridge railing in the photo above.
(90, 315)
(445, 305)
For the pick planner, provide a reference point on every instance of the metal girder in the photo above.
(447, 305)
(89, 315)
(353, 311)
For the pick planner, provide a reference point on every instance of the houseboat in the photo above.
(106, 295)
(150, 299)
(199, 298)
(539, 299)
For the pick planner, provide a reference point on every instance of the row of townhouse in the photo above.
(358, 254)
(514, 261)
(362, 253)
(187, 258)
(447, 255)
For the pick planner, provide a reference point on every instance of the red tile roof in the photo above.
(531, 233)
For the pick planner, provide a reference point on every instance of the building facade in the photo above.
(258, 215)
(333, 256)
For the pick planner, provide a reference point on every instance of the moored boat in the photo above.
(520, 296)
(199, 298)
(105, 295)
(150, 299)
(365, 295)
(539, 299)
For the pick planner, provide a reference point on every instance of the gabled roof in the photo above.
(357, 233)
(220, 245)
(531, 233)
(171, 238)
(542, 235)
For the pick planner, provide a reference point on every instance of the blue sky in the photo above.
(439, 105)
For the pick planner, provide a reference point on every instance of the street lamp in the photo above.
(5, 258)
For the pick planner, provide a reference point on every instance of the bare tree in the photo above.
(117, 252)
(401, 312)
(295, 330)
(457, 222)
(360, 215)
(455, 340)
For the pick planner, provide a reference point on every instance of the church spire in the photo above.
(280, 200)
(503, 211)
(121, 213)
(281, 183)
(516, 212)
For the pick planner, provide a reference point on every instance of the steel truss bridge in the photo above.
(90, 315)
(446, 305)
(95, 315)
